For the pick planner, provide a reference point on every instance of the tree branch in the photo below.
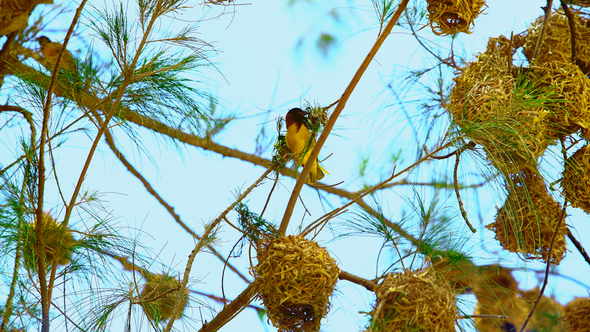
(339, 107)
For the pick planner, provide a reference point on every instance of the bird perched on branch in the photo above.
(50, 51)
(301, 143)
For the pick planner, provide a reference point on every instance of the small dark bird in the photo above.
(50, 51)
(301, 143)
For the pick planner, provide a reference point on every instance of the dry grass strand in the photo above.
(296, 279)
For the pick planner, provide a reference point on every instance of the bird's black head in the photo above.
(43, 40)
(296, 115)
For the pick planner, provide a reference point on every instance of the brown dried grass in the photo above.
(498, 294)
(576, 179)
(556, 43)
(296, 279)
(526, 221)
(58, 242)
(159, 295)
(414, 301)
(577, 313)
(453, 16)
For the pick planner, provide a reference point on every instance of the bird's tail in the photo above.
(316, 174)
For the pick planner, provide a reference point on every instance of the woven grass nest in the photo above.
(526, 221)
(453, 16)
(576, 179)
(414, 301)
(576, 315)
(490, 104)
(516, 309)
(556, 43)
(159, 295)
(517, 112)
(498, 294)
(296, 279)
(58, 243)
(581, 3)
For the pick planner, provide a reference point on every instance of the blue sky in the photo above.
(260, 74)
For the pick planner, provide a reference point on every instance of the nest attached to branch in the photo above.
(576, 179)
(526, 221)
(492, 104)
(566, 93)
(453, 16)
(515, 113)
(556, 44)
(576, 315)
(159, 296)
(498, 294)
(460, 273)
(414, 301)
(296, 279)
(581, 3)
(58, 242)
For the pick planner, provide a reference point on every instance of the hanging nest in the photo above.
(581, 3)
(576, 315)
(495, 285)
(548, 313)
(516, 309)
(576, 179)
(498, 294)
(453, 16)
(556, 44)
(414, 301)
(58, 243)
(296, 278)
(159, 296)
(565, 91)
(497, 106)
(459, 272)
(526, 221)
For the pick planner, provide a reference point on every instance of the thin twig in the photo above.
(270, 194)
(523, 328)
(482, 316)
(547, 10)
(469, 145)
(357, 199)
(232, 309)
(572, 24)
(339, 107)
(461, 207)
(203, 242)
(578, 245)
(165, 204)
(39, 245)
(368, 284)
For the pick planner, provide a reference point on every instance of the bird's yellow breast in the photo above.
(299, 142)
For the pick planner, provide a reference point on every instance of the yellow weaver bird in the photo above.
(301, 143)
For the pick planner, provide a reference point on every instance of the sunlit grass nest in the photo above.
(576, 179)
(556, 43)
(159, 296)
(528, 218)
(494, 285)
(296, 279)
(453, 16)
(460, 273)
(576, 315)
(58, 243)
(516, 309)
(498, 294)
(414, 301)
(498, 107)
(581, 3)
(565, 91)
